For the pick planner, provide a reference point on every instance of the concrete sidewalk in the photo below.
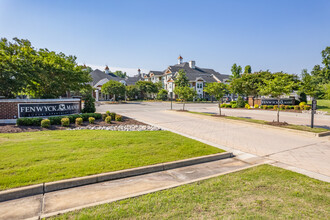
(308, 154)
(40, 206)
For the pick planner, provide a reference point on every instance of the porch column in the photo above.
(97, 95)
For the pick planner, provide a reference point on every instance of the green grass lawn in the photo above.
(37, 157)
(322, 105)
(263, 192)
(290, 126)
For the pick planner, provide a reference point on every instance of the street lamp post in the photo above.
(313, 112)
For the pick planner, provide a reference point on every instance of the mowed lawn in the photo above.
(263, 192)
(322, 105)
(37, 157)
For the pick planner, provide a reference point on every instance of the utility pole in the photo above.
(313, 112)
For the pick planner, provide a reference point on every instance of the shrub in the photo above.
(91, 120)
(282, 106)
(108, 119)
(287, 107)
(223, 105)
(65, 122)
(240, 102)
(233, 102)
(302, 103)
(270, 107)
(29, 121)
(79, 121)
(275, 107)
(296, 107)
(55, 120)
(104, 116)
(234, 105)
(107, 113)
(247, 106)
(302, 107)
(73, 117)
(113, 115)
(264, 107)
(256, 106)
(89, 104)
(119, 118)
(45, 123)
(307, 107)
(228, 105)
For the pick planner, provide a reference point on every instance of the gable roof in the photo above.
(208, 75)
(156, 73)
(97, 75)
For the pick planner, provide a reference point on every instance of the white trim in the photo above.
(19, 115)
(101, 82)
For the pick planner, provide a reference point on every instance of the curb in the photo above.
(81, 181)
(305, 133)
(323, 134)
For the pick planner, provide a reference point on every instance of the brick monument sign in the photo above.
(11, 109)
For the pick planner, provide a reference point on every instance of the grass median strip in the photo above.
(290, 126)
(37, 157)
(263, 192)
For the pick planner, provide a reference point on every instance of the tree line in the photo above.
(38, 73)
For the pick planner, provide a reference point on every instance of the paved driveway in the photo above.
(290, 117)
(288, 147)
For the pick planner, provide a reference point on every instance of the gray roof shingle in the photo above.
(204, 73)
(97, 75)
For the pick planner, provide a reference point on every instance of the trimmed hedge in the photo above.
(79, 121)
(119, 118)
(56, 120)
(91, 120)
(65, 122)
(45, 123)
(29, 121)
(108, 119)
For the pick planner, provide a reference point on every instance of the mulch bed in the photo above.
(275, 123)
(17, 129)
(218, 115)
(287, 110)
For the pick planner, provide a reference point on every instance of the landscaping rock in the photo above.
(119, 128)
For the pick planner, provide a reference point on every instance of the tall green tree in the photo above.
(236, 71)
(120, 74)
(16, 66)
(147, 87)
(185, 93)
(247, 69)
(218, 90)
(132, 91)
(39, 73)
(308, 85)
(113, 88)
(162, 94)
(280, 84)
(181, 79)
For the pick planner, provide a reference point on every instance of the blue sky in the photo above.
(279, 35)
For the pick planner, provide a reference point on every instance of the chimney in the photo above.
(106, 69)
(192, 64)
(180, 59)
(139, 72)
